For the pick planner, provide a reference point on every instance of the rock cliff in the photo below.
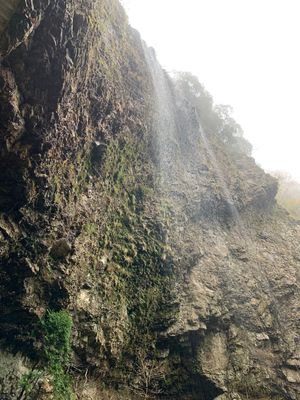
(124, 206)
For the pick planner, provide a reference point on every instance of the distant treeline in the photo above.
(216, 119)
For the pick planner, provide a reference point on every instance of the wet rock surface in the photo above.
(80, 205)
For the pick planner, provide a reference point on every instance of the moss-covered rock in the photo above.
(170, 254)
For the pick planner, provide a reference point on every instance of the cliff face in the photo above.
(121, 204)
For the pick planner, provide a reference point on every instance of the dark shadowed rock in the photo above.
(60, 249)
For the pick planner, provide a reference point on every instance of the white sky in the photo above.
(246, 53)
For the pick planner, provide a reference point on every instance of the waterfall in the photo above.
(178, 130)
(164, 123)
(226, 192)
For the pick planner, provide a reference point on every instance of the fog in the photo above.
(246, 53)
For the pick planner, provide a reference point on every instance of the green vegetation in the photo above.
(29, 383)
(56, 327)
(69, 182)
(216, 119)
(115, 56)
(140, 261)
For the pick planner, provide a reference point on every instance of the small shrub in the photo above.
(28, 383)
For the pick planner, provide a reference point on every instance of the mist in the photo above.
(245, 54)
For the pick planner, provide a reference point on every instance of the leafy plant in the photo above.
(56, 328)
(28, 383)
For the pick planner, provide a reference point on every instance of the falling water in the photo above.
(173, 164)
(165, 129)
(226, 192)
(248, 242)
(167, 136)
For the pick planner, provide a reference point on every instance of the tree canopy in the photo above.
(215, 119)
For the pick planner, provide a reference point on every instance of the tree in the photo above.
(215, 119)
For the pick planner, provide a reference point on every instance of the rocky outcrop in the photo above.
(164, 243)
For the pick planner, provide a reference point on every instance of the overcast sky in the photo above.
(246, 53)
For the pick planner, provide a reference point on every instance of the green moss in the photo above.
(56, 329)
(68, 181)
(134, 236)
(90, 228)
